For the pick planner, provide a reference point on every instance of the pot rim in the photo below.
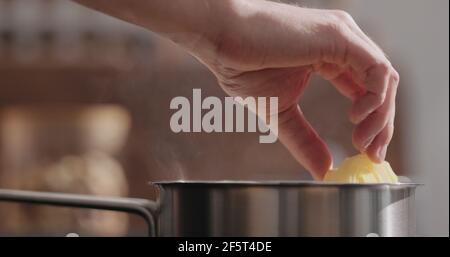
(302, 183)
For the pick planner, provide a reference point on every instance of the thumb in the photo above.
(303, 142)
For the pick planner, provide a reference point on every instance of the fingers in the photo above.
(376, 85)
(370, 127)
(346, 85)
(342, 79)
(370, 68)
(373, 134)
(377, 149)
(372, 71)
(372, 111)
(366, 130)
(303, 142)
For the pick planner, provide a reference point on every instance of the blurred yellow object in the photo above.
(360, 169)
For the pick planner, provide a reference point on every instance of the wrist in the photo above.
(215, 21)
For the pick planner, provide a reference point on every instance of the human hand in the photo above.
(262, 48)
(271, 49)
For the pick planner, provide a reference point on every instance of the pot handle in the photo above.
(147, 209)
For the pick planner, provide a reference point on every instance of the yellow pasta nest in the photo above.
(360, 169)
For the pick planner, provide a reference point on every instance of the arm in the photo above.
(189, 23)
(262, 48)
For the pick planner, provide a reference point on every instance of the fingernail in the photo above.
(354, 119)
(382, 152)
(367, 143)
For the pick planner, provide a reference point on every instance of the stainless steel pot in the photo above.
(243, 208)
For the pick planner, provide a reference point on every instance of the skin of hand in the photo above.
(261, 48)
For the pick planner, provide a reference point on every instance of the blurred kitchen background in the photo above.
(84, 108)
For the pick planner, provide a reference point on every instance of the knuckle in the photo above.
(379, 99)
(342, 15)
(333, 28)
(395, 77)
(380, 72)
(390, 127)
(338, 35)
(379, 117)
(335, 24)
(389, 134)
(384, 68)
